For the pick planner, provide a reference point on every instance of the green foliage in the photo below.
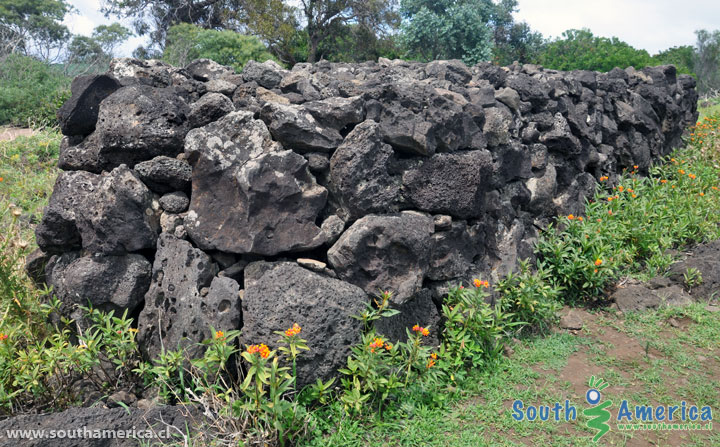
(531, 297)
(38, 361)
(581, 50)
(447, 29)
(629, 226)
(707, 61)
(32, 26)
(187, 42)
(683, 57)
(353, 43)
(97, 50)
(30, 91)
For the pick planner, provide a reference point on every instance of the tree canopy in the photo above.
(32, 26)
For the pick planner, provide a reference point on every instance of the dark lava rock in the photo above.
(359, 175)
(296, 128)
(118, 217)
(249, 195)
(280, 294)
(108, 283)
(175, 202)
(139, 122)
(209, 108)
(72, 193)
(164, 174)
(78, 115)
(177, 312)
(385, 253)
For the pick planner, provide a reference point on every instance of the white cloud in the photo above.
(651, 25)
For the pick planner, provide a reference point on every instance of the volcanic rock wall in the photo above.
(198, 197)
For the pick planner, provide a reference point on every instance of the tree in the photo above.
(155, 17)
(275, 23)
(354, 43)
(324, 16)
(581, 50)
(448, 29)
(32, 26)
(683, 58)
(707, 61)
(513, 41)
(187, 42)
(97, 50)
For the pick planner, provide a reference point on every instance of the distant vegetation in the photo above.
(39, 56)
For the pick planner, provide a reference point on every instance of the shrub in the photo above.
(31, 91)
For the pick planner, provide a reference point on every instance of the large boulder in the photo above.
(267, 74)
(185, 300)
(209, 108)
(80, 113)
(296, 128)
(359, 176)
(705, 260)
(385, 253)
(108, 283)
(119, 216)
(249, 195)
(452, 184)
(139, 122)
(73, 192)
(280, 294)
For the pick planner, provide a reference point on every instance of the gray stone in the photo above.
(175, 202)
(139, 122)
(205, 70)
(209, 108)
(176, 314)
(118, 217)
(359, 176)
(333, 227)
(637, 297)
(509, 97)
(571, 320)
(497, 125)
(704, 258)
(267, 74)
(337, 112)
(322, 306)
(78, 115)
(420, 310)
(221, 86)
(296, 128)
(269, 200)
(385, 253)
(454, 251)
(72, 193)
(450, 183)
(108, 283)
(164, 174)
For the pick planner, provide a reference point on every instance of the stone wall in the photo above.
(199, 197)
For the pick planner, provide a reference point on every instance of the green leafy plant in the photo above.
(692, 277)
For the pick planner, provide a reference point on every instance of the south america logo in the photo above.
(598, 413)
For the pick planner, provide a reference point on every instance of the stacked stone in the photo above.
(197, 197)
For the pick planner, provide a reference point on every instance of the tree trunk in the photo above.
(312, 52)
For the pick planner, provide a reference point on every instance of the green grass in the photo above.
(28, 168)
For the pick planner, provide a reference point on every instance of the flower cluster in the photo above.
(431, 362)
(294, 330)
(423, 330)
(220, 335)
(379, 343)
(3, 337)
(479, 283)
(262, 349)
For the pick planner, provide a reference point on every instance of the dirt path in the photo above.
(10, 133)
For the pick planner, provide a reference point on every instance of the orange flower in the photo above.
(376, 344)
(1, 179)
(634, 195)
(621, 188)
(580, 218)
(599, 220)
(433, 356)
(701, 194)
(598, 262)
(681, 171)
(261, 349)
(714, 187)
(692, 176)
(477, 282)
(425, 332)
(635, 167)
(571, 217)
(596, 270)
(416, 328)
(3, 337)
(219, 335)
(294, 330)
(388, 346)
(663, 181)
(603, 178)
(430, 364)
(610, 212)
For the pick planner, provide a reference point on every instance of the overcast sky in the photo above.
(651, 25)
